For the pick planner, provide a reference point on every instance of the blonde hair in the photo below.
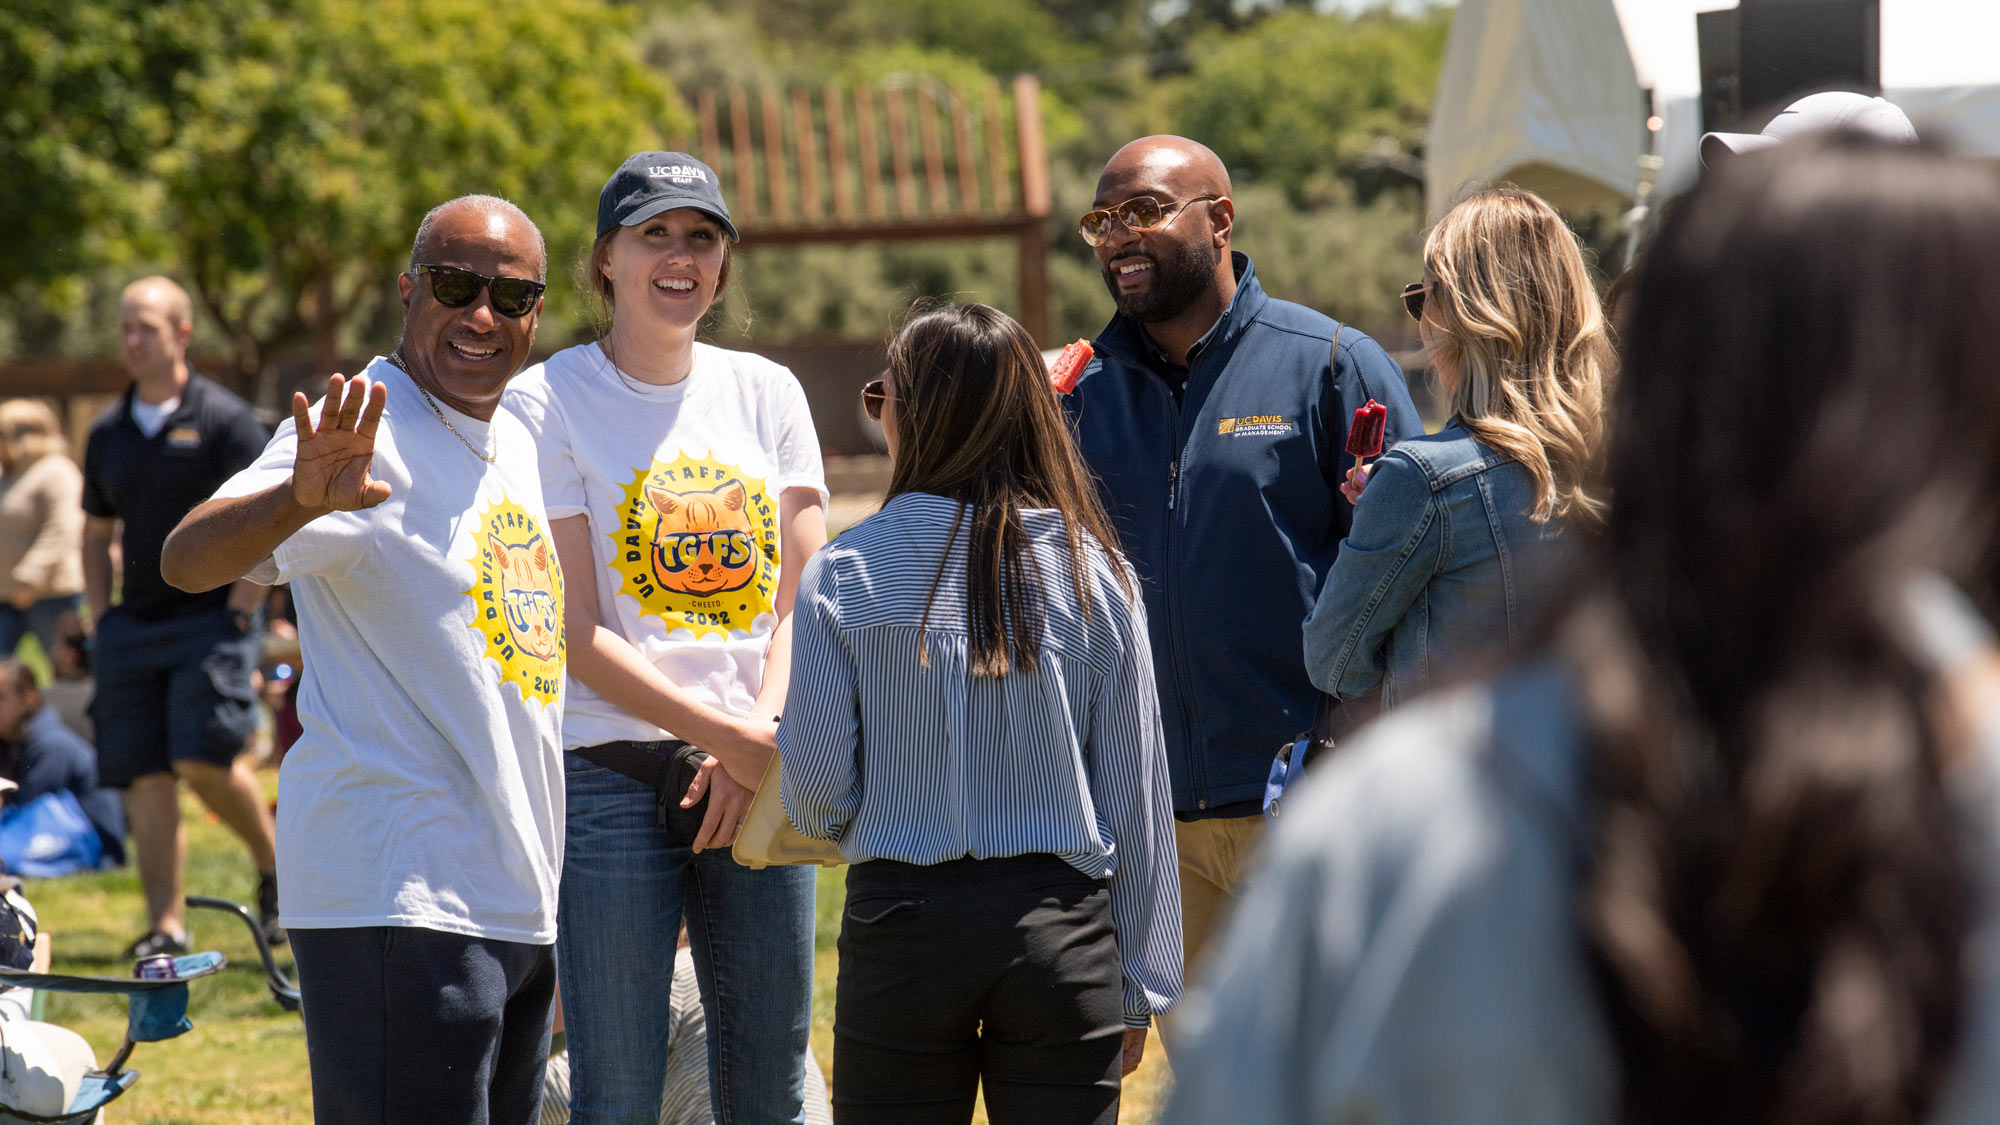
(1522, 345)
(29, 430)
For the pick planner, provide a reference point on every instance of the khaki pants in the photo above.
(1215, 856)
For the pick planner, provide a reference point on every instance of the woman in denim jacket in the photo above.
(1463, 533)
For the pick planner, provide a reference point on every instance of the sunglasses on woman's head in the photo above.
(873, 393)
(455, 288)
(1413, 299)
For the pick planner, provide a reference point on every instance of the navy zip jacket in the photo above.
(1228, 505)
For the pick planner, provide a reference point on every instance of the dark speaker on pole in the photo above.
(1765, 54)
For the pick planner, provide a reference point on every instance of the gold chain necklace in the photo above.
(396, 357)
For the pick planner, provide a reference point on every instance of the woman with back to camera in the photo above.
(1727, 850)
(1462, 536)
(973, 721)
(41, 525)
(685, 493)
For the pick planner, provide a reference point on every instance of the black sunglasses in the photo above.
(1413, 299)
(455, 288)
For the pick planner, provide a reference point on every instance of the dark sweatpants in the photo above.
(414, 1025)
(1001, 970)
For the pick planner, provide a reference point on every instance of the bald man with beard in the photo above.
(421, 825)
(1215, 418)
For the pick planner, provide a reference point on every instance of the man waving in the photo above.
(420, 830)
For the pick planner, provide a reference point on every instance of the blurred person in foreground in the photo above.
(973, 721)
(41, 525)
(41, 755)
(422, 827)
(1462, 536)
(1215, 418)
(174, 698)
(1727, 850)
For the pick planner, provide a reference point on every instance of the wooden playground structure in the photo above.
(841, 165)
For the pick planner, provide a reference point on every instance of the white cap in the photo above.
(1834, 109)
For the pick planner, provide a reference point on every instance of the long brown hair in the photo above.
(1524, 349)
(977, 422)
(1775, 903)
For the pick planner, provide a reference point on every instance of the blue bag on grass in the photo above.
(48, 837)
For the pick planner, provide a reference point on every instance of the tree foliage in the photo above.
(1299, 97)
(277, 154)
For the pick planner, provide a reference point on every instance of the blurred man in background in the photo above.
(174, 699)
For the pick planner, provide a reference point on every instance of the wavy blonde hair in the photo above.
(1521, 345)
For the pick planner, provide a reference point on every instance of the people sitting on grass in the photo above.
(51, 762)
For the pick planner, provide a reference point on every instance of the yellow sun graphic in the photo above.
(517, 600)
(697, 546)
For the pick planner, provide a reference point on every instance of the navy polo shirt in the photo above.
(151, 483)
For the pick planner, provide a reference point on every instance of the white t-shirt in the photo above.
(681, 484)
(150, 416)
(427, 788)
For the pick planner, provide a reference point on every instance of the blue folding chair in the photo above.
(157, 1009)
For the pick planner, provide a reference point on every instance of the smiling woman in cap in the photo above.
(685, 494)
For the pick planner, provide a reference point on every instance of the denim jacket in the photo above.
(1442, 569)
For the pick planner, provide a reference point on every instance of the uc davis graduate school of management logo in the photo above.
(517, 600)
(697, 546)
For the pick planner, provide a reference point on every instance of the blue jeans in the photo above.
(625, 889)
(39, 618)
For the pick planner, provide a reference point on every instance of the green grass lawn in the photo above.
(245, 1060)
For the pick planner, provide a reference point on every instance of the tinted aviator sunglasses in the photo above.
(1413, 299)
(1139, 215)
(455, 288)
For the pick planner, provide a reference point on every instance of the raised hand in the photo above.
(331, 469)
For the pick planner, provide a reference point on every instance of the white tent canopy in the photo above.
(1547, 93)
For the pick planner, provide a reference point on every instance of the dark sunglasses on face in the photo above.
(1139, 215)
(872, 396)
(455, 288)
(1413, 299)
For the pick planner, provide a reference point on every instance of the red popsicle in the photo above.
(1364, 434)
(1068, 367)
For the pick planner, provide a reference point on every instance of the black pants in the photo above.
(413, 1025)
(1001, 970)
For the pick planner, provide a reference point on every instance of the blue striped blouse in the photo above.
(893, 760)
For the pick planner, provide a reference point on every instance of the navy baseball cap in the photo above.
(650, 183)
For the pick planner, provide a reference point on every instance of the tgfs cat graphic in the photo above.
(696, 546)
(703, 543)
(534, 613)
(517, 597)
